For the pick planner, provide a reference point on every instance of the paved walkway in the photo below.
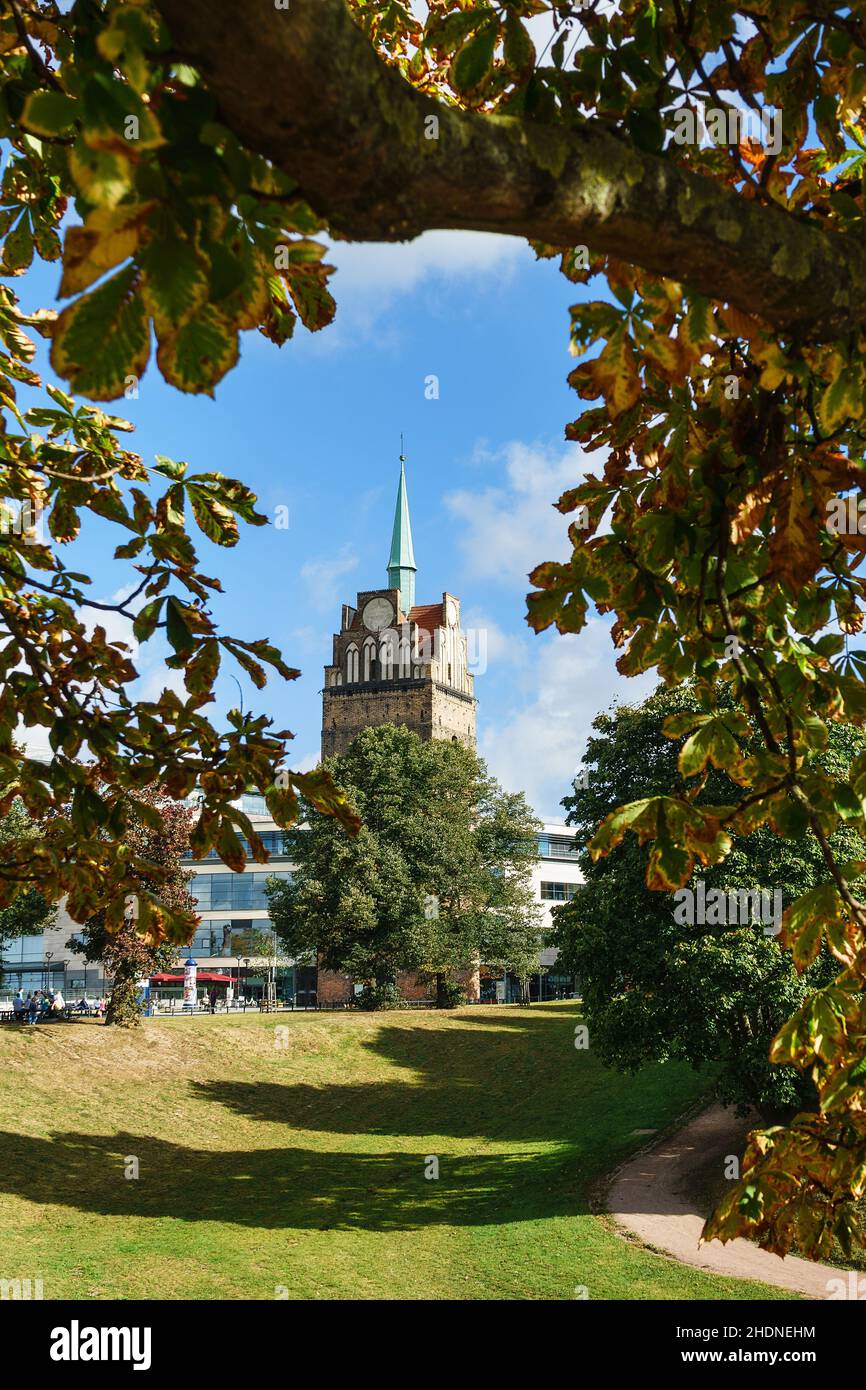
(652, 1196)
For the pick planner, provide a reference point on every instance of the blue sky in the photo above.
(315, 427)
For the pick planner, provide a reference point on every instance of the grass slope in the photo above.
(294, 1162)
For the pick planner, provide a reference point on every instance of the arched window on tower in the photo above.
(369, 660)
(351, 664)
(405, 657)
(387, 655)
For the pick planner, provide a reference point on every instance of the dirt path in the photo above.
(656, 1197)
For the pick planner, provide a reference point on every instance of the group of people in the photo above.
(49, 1003)
(38, 1003)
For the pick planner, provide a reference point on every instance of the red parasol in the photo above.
(203, 977)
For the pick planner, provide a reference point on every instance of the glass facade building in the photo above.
(218, 892)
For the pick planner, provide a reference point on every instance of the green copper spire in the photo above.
(401, 565)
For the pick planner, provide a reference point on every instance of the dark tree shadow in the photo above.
(507, 1077)
(283, 1188)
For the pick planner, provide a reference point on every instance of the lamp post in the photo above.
(246, 967)
(48, 955)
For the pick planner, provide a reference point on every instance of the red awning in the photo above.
(203, 977)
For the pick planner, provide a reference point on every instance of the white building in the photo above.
(233, 906)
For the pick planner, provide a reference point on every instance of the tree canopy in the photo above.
(713, 987)
(436, 879)
(159, 841)
(206, 145)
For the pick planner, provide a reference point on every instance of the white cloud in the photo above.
(488, 641)
(512, 527)
(371, 277)
(537, 746)
(321, 576)
(391, 268)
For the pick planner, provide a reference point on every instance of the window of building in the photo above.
(557, 847)
(557, 892)
(23, 949)
(351, 664)
(213, 892)
(215, 938)
(271, 839)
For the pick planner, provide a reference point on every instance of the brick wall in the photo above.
(332, 988)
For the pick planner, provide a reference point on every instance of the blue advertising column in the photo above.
(190, 971)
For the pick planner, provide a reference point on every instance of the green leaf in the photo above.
(102, 339)
(202, 670)
(712, 743)
(217, 522)
(175, 282)
(473, 61)
(49, 113)
(146, 620)
(199, 353)
(18, 246)
(519, 48)
(320, 789)
(842, 400)
(179, 630)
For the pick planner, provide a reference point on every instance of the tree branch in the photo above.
(304, 87)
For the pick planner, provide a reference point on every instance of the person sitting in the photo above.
(32, 1007)
(19, 1006)
(58, 1004)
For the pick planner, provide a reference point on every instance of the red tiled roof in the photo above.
(427, 615)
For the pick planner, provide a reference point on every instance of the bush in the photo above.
(380, 996)
(450, 995)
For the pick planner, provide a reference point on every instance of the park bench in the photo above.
(10, 1016)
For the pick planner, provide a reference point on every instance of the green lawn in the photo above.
(302, 1165)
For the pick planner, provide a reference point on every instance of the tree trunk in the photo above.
(124, 1010)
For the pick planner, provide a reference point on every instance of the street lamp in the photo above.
(247, 965)
(48, 955)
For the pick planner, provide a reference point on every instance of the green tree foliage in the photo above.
(436, 877)
(28, 914)
(654, 987)
(159, 841)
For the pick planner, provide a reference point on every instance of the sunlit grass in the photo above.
(293, 1162)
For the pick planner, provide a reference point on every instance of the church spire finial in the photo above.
(401, 563)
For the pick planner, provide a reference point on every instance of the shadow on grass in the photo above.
(514, 1078)
(283, 1188)
(511, 1078)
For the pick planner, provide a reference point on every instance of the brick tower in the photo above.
(398, 662)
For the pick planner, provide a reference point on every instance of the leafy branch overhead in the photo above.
(700, 169)
(184, 235)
